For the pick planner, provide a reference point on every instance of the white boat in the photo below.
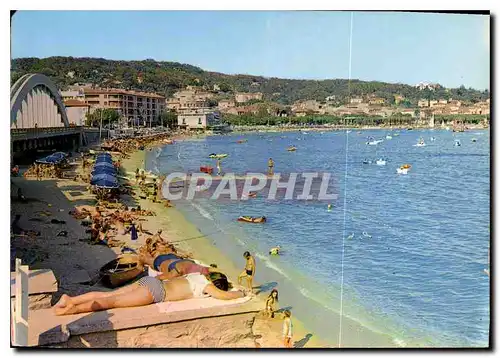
(388, 137)
(420, 143)
(381, 161)
(348, 131)
(375, 142)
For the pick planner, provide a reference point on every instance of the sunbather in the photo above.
(171, 265)
(150, 290)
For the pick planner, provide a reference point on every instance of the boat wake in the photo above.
(202, 211)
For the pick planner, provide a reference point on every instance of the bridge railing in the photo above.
(34, 132)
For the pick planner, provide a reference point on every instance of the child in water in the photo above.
(287, 329)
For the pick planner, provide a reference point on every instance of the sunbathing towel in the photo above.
(198, 303)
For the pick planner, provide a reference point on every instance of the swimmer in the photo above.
(329, 207)
(275, 250)
(365, 234)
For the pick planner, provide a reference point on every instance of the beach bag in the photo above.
(120, 271)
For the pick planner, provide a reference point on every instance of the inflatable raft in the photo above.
(253, 220)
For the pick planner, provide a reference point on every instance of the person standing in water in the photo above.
(287, 329)
(270, 166)
(219, 170)
(271, 303)
(249, 270)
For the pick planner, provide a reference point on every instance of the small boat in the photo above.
(217, 156)
(404, 169)
(348, 131)
(420, 143)
(207, 169)
(381, 161)
(374, 142)
(388, 137)
(120, 271)
(396, 134)
(367, 161)
(242, 141)
(291, 149)
(473, 140)
(409, 129)
(253, 220)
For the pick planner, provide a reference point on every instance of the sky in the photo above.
(449, 49)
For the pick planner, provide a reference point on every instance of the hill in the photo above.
(167, 77)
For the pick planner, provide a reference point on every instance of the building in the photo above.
(226, 103)
(398, 99)
(198, 121)
(377, 101)
(242, 97)
(356, 100)
(433, 103)
(135, 106)
(188, 99)
(76, 111)
(77, 94)
(423, 103)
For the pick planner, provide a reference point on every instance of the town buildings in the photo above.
(138, 107)
(242, 97)
(76, 111)
(198, 119)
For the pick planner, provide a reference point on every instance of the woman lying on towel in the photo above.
(170, 264)
(149, 290)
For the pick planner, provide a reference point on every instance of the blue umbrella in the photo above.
(104, 170)
(51, 159)
(103, 177)
(103, 164)
(103, 160)
(106, 184)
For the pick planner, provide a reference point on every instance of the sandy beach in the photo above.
(75, 263)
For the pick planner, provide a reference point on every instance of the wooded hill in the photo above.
(168, 77)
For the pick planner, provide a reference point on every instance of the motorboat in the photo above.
(381, 161)
(388, 137)
(366, 161)
(291, 149)
(404, 169)
(374, 142)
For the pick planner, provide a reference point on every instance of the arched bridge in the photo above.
(38, 116)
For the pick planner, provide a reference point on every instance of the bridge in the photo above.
(38, 118)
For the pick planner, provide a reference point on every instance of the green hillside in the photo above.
(167, 77)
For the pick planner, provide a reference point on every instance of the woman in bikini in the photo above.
(150, 290)
(170, 264)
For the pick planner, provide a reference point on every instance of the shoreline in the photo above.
(205, 250)
(188, 238)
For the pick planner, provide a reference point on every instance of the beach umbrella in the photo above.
(105, 160)
(104, 170)
(103, 177)
(105, 183)
(103, 164)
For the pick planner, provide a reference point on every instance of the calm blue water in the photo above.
(417, 246)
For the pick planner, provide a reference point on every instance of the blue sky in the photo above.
(393, 47)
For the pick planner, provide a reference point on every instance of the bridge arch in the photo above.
(36, 102)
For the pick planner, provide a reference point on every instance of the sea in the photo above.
(401, 255)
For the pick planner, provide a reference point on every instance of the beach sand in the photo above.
(73, 260)
(189, 239)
